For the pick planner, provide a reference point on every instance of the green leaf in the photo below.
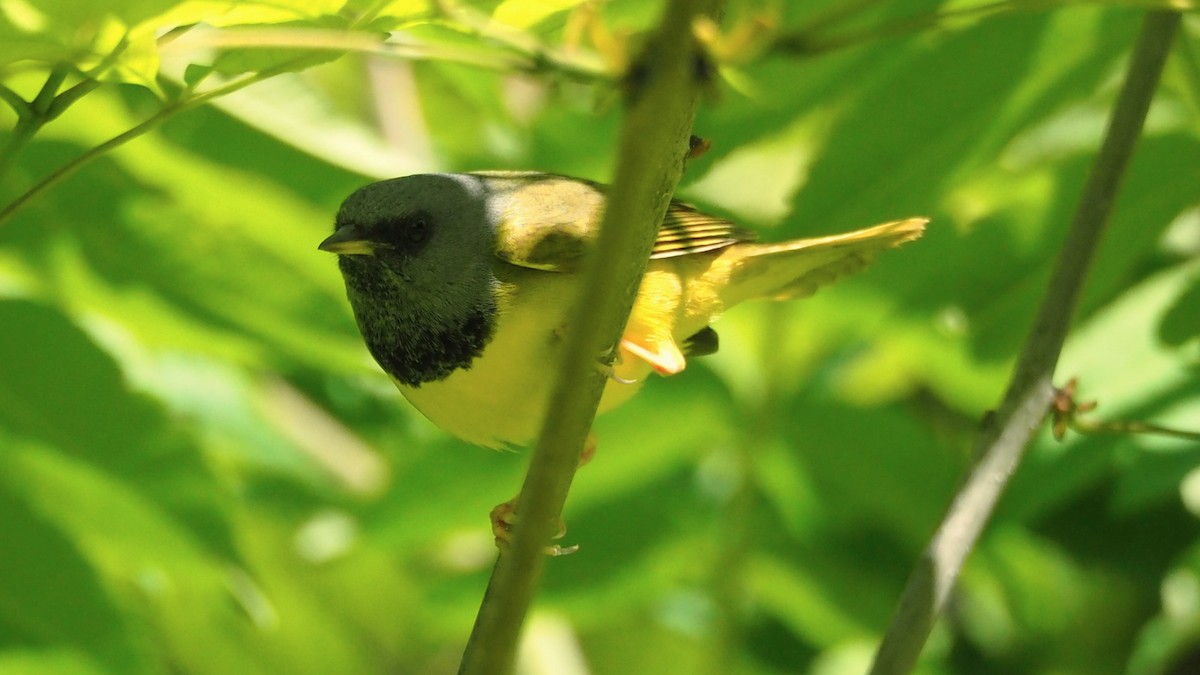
(143, 224)
(195, 73)
(255, 59)
(472, 120)
(63, 391)
(83, 12)
(98, 39)
(17, 45)
(528, 13)
(165, 577)
(1179, 324)
(52, 661)
(802, 601)
(51, 595)
(897, 485)
(224, 13)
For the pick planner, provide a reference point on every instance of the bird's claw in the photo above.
(504, 517)
(608, 366)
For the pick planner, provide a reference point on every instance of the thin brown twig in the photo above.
(1065, 412)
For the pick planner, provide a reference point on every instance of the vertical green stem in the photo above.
(31, 117)
(1000, 445)
(663, 86)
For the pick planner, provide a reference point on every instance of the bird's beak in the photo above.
(347, 240)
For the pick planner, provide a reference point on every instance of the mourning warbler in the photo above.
(462, 285)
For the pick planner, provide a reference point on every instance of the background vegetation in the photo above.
(202, 472)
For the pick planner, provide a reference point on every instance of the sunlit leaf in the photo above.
(527, 13)
(88, 412)
(74, 609)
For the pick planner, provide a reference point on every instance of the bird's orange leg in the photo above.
(504, 516)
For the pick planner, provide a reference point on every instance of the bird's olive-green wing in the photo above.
(544, 221)
(686, 230)
(550, 223)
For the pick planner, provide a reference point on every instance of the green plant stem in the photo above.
(25, 130)
(47, 106)
(68, 98)
(41, 103)
(1133, 427)
(1001, 444)
(535, 55)
(74, 165)
(54, 106)
(499, 55)
(22, 131)
(14, 101)
(662, 89)
(31, 115)
(136, 131)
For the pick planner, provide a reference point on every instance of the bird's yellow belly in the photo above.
(501, 399)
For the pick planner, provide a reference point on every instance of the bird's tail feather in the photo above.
(798, 268)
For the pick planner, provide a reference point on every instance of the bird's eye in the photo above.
(418, 230)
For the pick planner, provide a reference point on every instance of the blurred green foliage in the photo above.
(202, 472)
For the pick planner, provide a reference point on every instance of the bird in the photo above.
(462, 285)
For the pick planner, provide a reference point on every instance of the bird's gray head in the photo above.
(417, 256)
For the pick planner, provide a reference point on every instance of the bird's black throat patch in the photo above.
(413, 342)
(414, 356)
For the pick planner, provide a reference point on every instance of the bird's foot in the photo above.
(504, 517)
(608, 364)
